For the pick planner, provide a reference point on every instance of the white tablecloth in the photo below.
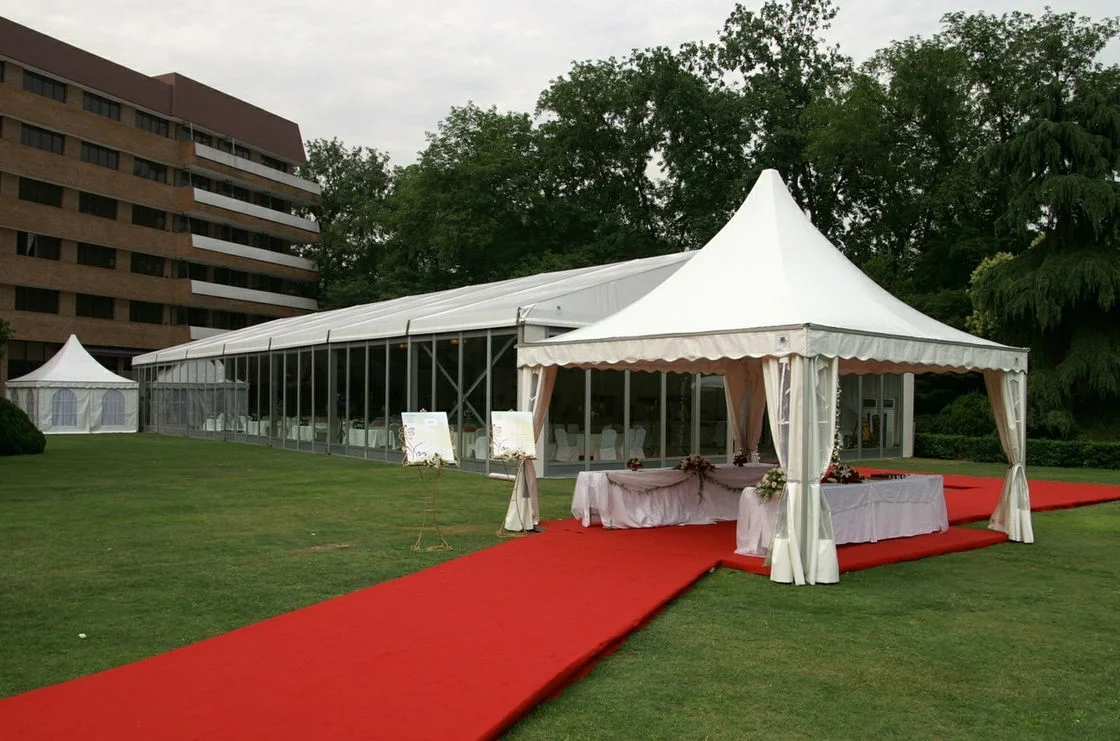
(597, 499)
(861, 513)
(377, 437)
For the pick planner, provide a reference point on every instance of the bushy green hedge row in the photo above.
(18, 435)
(1061, 453)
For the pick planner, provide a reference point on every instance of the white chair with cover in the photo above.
(481, 447)
(608, 445)
(564, 449)
(637, 443)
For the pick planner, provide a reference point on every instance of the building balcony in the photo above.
(252, 253)
(311, 190)
(251, 209)
(235, 293)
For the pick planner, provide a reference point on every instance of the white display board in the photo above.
(512, 435)
(426, 436)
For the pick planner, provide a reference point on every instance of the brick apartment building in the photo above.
(139, 212)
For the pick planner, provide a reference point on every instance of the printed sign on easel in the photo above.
(427, 439)
(512, 435)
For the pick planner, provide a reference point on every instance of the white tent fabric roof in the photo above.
(770, 284)
(569, 298)
(73, 367)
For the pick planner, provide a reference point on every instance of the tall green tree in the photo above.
(5, 335)
(468, 211)
(352, 220)
(1060, 292)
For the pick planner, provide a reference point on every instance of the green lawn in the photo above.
(147, 543)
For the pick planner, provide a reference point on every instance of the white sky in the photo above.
(379, 73)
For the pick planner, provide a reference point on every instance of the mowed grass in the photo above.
(1008, 642)
(147, 543)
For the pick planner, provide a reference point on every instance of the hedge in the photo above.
(1059, 453)
(18, 435)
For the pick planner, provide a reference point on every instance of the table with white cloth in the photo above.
(377, 437)
(662, 496)
(861, 513)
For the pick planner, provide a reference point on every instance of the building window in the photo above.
(42, 300)
(152, 218)
(112, 409)
(230, 190)
(150, 170)
(142, 311)
(101, 106)
(274, 163)
(242, 152)
(100, 155)
(98, 307)
(48, 141)
(37, 191)
(64, 409)
(151, 123)
(202, 138)
(97, 256)
(147, 264)
(95, 205)
(38, 245)
(45, 86)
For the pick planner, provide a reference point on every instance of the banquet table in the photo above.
(377, 437)
(662, 496)
(861, 513)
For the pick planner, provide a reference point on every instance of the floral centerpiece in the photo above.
(741, 458)
(771, 483)
(695, 463)
(634, 464)
(841, 473)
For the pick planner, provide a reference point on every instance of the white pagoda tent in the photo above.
(775, 308)
(74, 394)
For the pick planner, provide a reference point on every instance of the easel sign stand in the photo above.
(512, 439)
(426, 442)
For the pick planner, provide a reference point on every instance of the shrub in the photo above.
(969, 414)
(1059, 453)
(18, 436)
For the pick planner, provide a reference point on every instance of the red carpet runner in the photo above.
(458, 651)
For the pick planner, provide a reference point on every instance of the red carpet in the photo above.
(458, 651)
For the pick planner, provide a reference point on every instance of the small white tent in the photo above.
(773, 306)
(74, 394)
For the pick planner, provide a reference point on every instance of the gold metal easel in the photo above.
(429, 484)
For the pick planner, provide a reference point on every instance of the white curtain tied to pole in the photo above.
(534, 393)
(801, 396)
(1007, 391)
(746, 403)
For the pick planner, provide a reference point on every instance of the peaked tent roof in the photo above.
(770, 284)
(73, 366)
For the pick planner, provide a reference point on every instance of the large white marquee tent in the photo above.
(775, 308)
(73, 394)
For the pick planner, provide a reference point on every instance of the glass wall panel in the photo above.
(358, 436)
(278, 394)
(447, 388)
(503, 372)
(257, 396)
(849, 415)
(321, 398)
(891, 413)
(398, 390)
(566, 420)
(305, 432)
(608, 401)
(474, 413)
(291, 409)
(340, 405)
(377, 404)
(645, 416)
(871, 421)
(678, 415)
(713, 418)
(421, 376)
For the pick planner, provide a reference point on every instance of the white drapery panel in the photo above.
(534, 394)
(801, 397)
(1008, 394)
(746, 404)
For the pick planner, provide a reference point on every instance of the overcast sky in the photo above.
(379, 73)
